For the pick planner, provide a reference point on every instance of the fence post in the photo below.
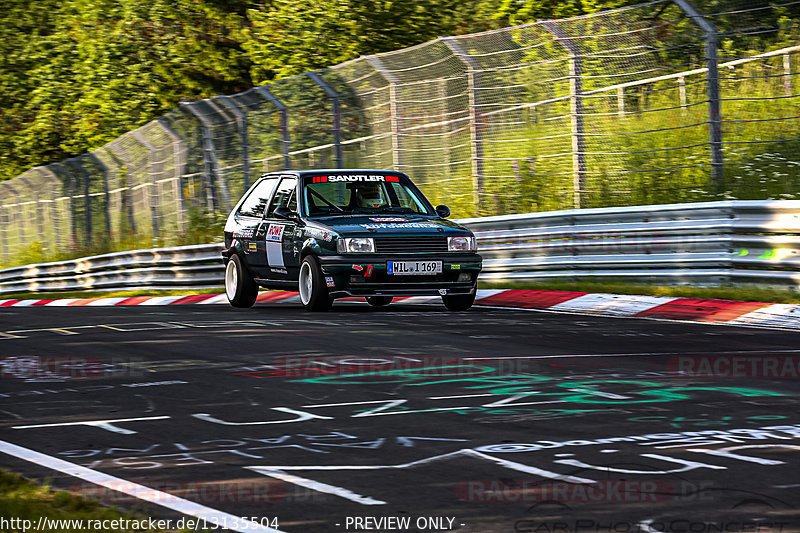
(17, 211)
(476, 136)
(442, 95)
(337, 115)
(787, 71)
(394, 108)
(51, 210)
(151, 155)
(70, 183)
(87, 199)
(576, 109)
(210, 163)
(241, 121)
(128, 195)
(3, 229)
(712, 85)
(107, 206)
(179, 152)
(286, 140)
(39, 224)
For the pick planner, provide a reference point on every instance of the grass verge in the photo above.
(23, 500)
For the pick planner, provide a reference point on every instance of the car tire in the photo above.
(459, 302)
(379, 301)
(313, 290)
(240, 288)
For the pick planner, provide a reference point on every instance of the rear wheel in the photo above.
(379, 301)
(240, 288)
(459, 302)
(313, 290)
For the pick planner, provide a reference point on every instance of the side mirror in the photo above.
(285, 213)
(443, 211)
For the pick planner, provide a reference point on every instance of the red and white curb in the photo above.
(760, 314)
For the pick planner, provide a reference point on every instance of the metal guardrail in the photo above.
(711, 243)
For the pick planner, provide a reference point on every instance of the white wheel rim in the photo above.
(306, 283)
(231, 280)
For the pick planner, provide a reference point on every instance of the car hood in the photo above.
(389, 225)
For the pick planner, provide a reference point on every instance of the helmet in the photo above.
(370, 195)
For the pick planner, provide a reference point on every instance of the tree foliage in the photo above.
(75, 74)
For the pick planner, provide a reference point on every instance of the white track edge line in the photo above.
(141, 492)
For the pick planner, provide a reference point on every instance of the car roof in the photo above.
(331, 171)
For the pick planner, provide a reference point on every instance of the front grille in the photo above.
(410, 245)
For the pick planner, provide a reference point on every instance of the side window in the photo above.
(285, 196)
(256, 202)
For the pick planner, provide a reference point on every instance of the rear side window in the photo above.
(256, 201)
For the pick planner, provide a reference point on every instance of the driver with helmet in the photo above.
(370, 195)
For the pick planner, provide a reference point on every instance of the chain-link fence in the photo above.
(662, 102)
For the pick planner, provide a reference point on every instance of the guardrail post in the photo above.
(576, 109)
(712, 85)
(151, 155)
(476, 136)
(394, 108)
(210, 163)
(241, 122)
(337, 115)
(286, 140)
(179, 152)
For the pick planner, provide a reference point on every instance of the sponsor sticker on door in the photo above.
(275, 245)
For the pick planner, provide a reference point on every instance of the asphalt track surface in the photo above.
(491, 420)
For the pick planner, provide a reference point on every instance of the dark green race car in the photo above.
(337, 233)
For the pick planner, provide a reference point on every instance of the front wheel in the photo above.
(379, 301)
(459, 302)
(240, 288)
(313, 290)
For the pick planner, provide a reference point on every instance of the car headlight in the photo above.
(461, 244)
(355, 245)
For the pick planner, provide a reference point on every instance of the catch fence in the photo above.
(662, 102)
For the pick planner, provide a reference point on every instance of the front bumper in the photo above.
(367, 275)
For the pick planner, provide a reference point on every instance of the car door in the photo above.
(248, 224)
(281, 243)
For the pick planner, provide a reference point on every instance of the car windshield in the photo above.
(367, 194)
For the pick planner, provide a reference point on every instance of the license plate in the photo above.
(414, 268)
